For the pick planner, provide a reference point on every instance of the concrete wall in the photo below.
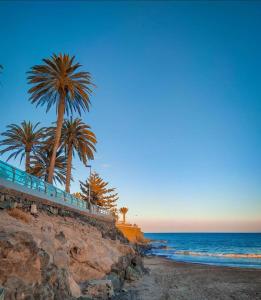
(10, 198)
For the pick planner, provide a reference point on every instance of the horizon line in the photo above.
(258, 232)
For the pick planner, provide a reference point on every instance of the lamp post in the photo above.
(89, 166)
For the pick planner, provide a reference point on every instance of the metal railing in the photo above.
(57, 195)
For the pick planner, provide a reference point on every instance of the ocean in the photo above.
(222, 249)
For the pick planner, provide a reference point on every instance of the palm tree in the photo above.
(22, 140)
(100, 194)
(56, 83)
(123, 211)
(41, 164)
(77, 137)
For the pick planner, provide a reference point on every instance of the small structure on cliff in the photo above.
(131, 231)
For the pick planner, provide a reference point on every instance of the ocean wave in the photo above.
(158, 241)
(232, 255)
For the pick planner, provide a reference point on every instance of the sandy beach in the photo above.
(175, 280)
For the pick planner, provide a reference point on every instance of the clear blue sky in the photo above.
(177, 105)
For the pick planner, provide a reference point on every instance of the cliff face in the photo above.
(132, 232)
(54, 257)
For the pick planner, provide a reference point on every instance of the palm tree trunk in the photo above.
(124, 218)
(59, 125)
(69, 169)
(27, 161)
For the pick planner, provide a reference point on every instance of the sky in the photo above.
(176, 109)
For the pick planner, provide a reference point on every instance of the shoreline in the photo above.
(169, 279)
(200, 263)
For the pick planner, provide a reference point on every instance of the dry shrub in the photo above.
(20, 215)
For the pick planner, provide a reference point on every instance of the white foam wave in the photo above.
(232, 255)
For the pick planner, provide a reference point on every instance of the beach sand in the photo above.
(175, 280)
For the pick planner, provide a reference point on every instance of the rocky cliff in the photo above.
(49, 256)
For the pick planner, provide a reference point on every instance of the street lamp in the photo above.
(89, 166)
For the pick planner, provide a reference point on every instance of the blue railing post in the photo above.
(31, 182)
(13, 169)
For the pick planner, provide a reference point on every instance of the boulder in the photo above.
(116, 281)
(131, 274)
(74, 287)
(2, 293)
(61, 259)
(33, 209)
(51, 256)
(99, 289)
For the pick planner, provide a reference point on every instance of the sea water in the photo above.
(224, 249)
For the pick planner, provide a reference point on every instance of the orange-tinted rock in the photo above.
(52, 255)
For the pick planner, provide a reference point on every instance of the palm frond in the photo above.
(41, 163)
(58, 76)
(19, 139)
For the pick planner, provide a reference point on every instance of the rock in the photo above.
(54, 285)
(2, 293)
(116, 281)
(50, 257)
(33, 209)
(17, 289)
(61, 259)
(74, 287)
(131, 274)
(5, 205)
(137, 261)
(61, 237)
(19, 253)
(101, 289)
(53, 210)
(47, 228)
(13, 204)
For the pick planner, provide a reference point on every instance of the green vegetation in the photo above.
(75, 137)
(99, 192)
(22, 141)
(56, 83)
(48, 152)
(41, 164)
(123, 211)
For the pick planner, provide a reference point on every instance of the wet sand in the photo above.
(175, 280)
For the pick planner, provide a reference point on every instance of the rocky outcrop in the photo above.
(11, 199)
(47, 256)
(132, 232)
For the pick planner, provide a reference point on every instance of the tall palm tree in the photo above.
(41, 163)
(58, 83)
(123, 211)
(76, 137)
(22, 140)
